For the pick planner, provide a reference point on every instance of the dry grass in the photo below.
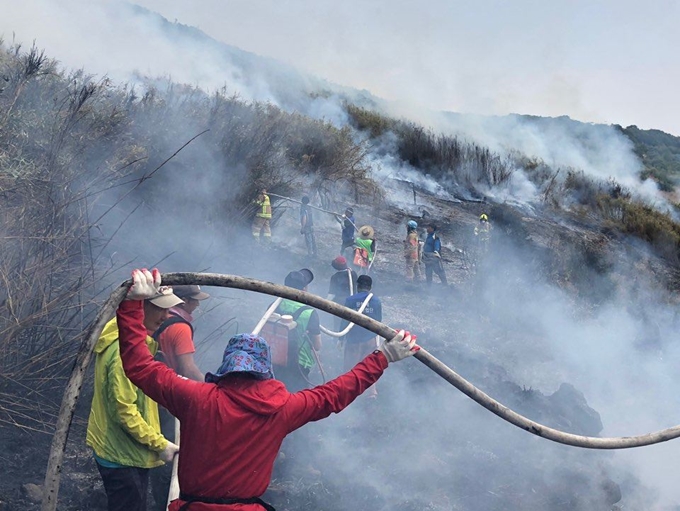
(69, 143)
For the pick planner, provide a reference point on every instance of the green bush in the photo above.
(642, 221)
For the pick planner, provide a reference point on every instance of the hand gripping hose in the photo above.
(72, 391)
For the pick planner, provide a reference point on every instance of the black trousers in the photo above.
(345, 245)
(294, 378)
(310, 241)
(126, 488)
(437, 267)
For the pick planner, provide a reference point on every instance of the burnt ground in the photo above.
(466, 461)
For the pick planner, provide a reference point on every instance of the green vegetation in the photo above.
(451, 161)
(446, 158)
(644, 222)
(659, 153)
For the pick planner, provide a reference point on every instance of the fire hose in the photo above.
(337, 215)
(72, 391)
(348, 327)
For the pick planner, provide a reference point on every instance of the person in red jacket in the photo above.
(232, 426)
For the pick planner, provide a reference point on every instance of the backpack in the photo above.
(284, 339)
(173, 319)
(361, 257)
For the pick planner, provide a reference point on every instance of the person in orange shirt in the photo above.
(175, 337)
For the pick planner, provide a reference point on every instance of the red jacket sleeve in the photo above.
(318, 403)
(156, 380)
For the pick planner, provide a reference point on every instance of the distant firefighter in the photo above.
(483, 228)
(364, 249)
(263, 217)
(412, 252)
(307, 226)
(432, 255)
(348, 228)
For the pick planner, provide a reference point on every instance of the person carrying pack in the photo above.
(293, 364)
(175, 338)
(364, 249)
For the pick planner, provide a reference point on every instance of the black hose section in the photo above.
(505, 413)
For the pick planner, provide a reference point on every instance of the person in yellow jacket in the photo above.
(483, 228)
(123, 429)
(263, 217)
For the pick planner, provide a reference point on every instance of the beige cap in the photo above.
(166, 298)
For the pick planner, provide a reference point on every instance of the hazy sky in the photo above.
(610, 61)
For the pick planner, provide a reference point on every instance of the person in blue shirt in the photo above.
(348, 228)
(432, 256)
(360, 342)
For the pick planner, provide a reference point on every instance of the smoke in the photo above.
(506, 327)
(129, 44)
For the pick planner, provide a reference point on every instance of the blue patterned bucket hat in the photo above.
(245, 353)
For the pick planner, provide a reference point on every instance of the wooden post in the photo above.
(71, 394)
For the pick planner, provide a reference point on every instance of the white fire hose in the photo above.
(72, 391)
(348, 327)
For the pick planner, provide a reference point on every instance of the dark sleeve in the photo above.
(437, 244)
(373, 246)
(313, 327)
(333, 289)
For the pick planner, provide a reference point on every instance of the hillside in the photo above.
(264, 79)
(568, 315)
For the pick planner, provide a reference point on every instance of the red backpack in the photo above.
(283, 338)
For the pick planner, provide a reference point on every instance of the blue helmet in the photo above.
(412, 224)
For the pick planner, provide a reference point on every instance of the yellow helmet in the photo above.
(483, 218)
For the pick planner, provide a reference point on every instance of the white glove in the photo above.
(436, 254)
(399, 347)
(144, 284)
(169, 452)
